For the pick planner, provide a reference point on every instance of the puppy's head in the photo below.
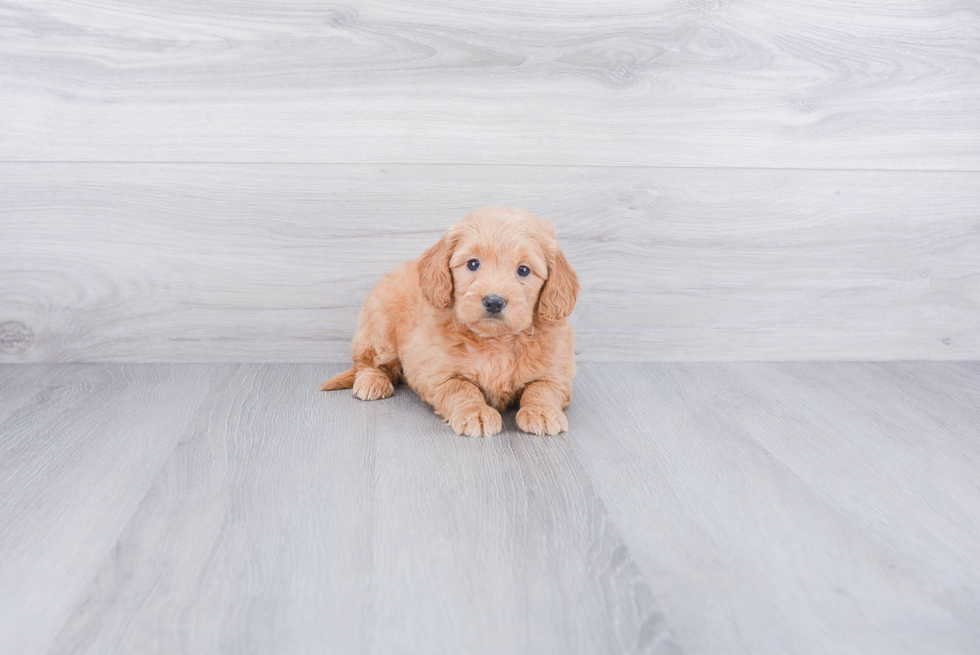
(498, 268)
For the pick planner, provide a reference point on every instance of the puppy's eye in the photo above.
(523, 271)
(473, 264)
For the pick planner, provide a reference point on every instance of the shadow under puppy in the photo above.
(476, 323)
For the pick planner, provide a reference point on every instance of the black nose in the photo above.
(494, 304)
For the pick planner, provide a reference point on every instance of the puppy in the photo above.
(476, 323)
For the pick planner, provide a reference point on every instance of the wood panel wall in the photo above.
(224, 180)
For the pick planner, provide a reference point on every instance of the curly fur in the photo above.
(425, 324)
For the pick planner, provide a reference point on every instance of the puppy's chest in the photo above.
(500, 372)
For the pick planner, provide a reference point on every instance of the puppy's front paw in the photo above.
(371, 384)
(478, 421)
(542, 419)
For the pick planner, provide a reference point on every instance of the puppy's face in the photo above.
(496, 281)
(496, 268)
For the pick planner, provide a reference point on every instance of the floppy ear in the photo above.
(560, 290)
(435, 277)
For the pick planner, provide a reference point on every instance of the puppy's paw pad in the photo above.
(482, 421)
(372, 385)
(542, 420)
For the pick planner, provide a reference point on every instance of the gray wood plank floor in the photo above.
(76, 460)
(692, 508)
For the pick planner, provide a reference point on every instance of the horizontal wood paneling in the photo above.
(139, 262)
(840, 84)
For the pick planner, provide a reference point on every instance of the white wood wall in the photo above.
(224, 180)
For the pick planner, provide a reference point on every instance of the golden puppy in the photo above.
(478, 321)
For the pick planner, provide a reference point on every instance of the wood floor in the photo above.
(692, 508)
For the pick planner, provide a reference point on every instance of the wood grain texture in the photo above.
(272, 262)
(794, 508)
(292, 521)
(840, 84)
(763, 508)
(75, 462)
(18, 384)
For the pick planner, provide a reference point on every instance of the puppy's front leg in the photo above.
(541, 405)
(464, 407)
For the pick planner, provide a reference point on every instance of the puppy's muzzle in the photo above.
(494, 304)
